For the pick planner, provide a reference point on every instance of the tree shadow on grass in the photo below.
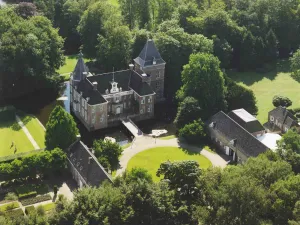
(251, 77)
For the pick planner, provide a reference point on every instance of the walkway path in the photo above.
(130, 125)
(31, 139)
(144, 143)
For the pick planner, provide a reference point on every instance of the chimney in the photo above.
(87, 99)
(90, 158)
(78, 137)
(95, 84)
(131, 66)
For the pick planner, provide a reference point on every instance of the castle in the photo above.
(101, 101)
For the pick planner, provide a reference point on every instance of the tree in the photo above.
(239, 96)
(26, 9)
(182, 175)
(93, 22)
(295, 65)
(271, 46)
(188, 111)
(114, 48)
(107, 153)
(203, 80)
(30, 53)
(61, 130)
(223, 50)
(193, 132)
(164, 10)
(140, 38)
(281, 101)
(136, 174)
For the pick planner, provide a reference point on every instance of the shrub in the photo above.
(49, 206)
(29, 209)
(281, 101)
(11, 196)
(193, 132)
(40, 210)
(15, 213)
(30, 201)
(9, 206)
(27, 195)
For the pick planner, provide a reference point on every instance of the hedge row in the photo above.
(15, 213)
(19, 155)
(29, 209)
(30, 201)
(27, 195)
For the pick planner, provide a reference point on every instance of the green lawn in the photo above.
(69, 66)
(266, 85)
(49, 206)
(10, 132)
(152, 158)
(35, 128)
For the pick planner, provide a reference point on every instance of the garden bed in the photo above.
(29, 209)
(9, 206)
(15, 213)
(31, 201)
(31, 190)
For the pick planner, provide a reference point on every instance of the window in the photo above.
(149, 109)
(158, 74)
(157, 85)
(142, 111)
(101, 119)
(143, 100)
(272, 118)
(150, 99)
(101, 107)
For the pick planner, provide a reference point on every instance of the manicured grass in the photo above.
(168, 137)
(35, 128)
(152, 158)
(49, 206)
(9, 206)
(266, 85)
(10, 132)
(69, 66)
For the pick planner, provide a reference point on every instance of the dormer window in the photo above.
(212, 125)
(114, 88)
(233, 142)
(154, 61)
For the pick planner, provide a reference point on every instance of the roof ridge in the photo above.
(241, 127)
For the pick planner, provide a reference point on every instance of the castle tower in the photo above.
(151, 63)
(81, 70)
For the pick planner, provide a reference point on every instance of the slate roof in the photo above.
(86, 88)
(148, 54)
(246, 120)
(126, 79)
(87, 164)
(284, 116)
(80, 68)
(230, 130)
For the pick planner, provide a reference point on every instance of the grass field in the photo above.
(35, 128)
(10, 132)
(152, 158)
(70, 64)
(266, 85)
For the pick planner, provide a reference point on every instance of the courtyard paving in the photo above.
(143, 143)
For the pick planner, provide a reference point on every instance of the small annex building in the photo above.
(282, 119)
(84, 166)
(232, 138)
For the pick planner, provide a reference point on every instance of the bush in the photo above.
(27, 195)
(49, 206)
(9, 206)
(40, 210)
(193, 132)
(11, 196)
(29, 209)
(30, 201)
(281, 101)
(15, 213)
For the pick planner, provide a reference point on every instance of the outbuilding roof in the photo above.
(222, 125)
(246, 120)
(284, 116)
(87, 165)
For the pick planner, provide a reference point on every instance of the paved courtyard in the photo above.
(143, 143)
